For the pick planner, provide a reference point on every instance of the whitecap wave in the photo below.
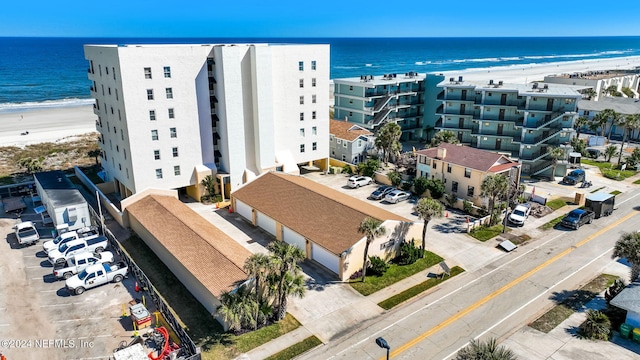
(48, 104)
(346, 67)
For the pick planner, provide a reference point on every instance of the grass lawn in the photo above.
(394, 274)
(596, 190)
(556, 204)
(570, 302)
(485, 233)
(203, 329)
(296, 349)
(610, 170)
(637, 182)
(551, 224)
(6, 180)
(615, 192)
(418, 289)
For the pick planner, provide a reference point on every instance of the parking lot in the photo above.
(38, 317)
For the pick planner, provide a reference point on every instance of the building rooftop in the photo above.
(211, 256)
(317, 212)
(619, 104)
(478, 159)
(347, 130)
(60, 190)
(628, 299)
(594, 75)
(385, 79)
(532, 89)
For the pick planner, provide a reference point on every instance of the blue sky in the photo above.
(347, 18)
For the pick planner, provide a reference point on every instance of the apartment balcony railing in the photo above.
(449, 111)
(517, 119)
(517, 103)
(514, 136)
(400, 92)
(542, 138)
(534, 156)
(548, 119)
(539, 167)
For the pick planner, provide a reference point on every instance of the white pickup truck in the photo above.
(520, 214)
(87, 232)
(67, 250)
(26, 233)
(79, 262)
(96, 275)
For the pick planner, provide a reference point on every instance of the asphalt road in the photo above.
(494, 301)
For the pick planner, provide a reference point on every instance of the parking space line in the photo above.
(93, 318)
(49, 290)
(50, 305)
(37, 278)
(33, 267)
(99, 336)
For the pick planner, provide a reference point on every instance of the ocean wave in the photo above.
(48, 104)
(346, 67)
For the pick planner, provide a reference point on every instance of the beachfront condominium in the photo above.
(519, 120)
(371, 101)
(623, 83)
(168, 115)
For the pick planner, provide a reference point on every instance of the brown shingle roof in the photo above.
(469, 157)
(346, 130)
(317, 212)
(213, 258)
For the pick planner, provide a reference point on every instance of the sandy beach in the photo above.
(49, 125)
(59, 124)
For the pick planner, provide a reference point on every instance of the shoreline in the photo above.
(47, 122)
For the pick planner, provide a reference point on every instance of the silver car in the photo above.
(396, 196)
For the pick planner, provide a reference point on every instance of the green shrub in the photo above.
(347, 169)
(369, 167)
(436, 188)
(420, 185)
(467, 206)
(377, 266)
(409, 253)
(406, 186)
(395, 178)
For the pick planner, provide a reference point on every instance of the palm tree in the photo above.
(446, 136)
(489, 350)
(601, 119)
(258, 266)
(580, 122)
(494, 187)
(293, 284)
(628, 247)
(387, 140)
(590, 93)
(630, 123)
(237, 308)
(612, 119)
(597, 326)
(209, 183)
(95, 153)
(428, 209)
(555, 153)
(285, 259)
(610, 151)
(371, 228)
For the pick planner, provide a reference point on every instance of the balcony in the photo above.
(450, 111)
(539, 167)
(520, 104)
(513, 136)
(542, 138)
(548, 119)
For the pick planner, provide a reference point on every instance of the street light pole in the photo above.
(383, 344)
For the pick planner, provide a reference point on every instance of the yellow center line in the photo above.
(485, 299)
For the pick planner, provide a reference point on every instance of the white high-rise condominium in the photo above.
(169, 114)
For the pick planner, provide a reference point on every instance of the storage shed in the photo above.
(63, 201)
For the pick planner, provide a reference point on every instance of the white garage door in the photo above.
(324, 257)
(291, 237)
(244, 210)
(267, 223)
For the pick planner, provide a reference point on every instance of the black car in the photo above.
(380, 192)
(574, 177)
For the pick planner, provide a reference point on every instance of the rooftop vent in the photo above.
(460, 78)
(452, 79)
(490, 82)
(535, 85)
(500, 83)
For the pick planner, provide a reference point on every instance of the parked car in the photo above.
(26, 233)
(73, 247)
(84, 233)
(574, 177)
(396, 196)
(79, 262)
(357, 181)
(578, 217)
(96, 275)
(520, 214)
(380, 192)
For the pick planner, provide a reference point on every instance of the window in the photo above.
(154, 134)
(301, 116)
(167, 71)
(301, 148)
(301, 65)
(313, 99)
(314, 130)
(454, 186)
(127, 169)
(156, 154)
(171, 114)
(119, 166)
(302, 100)
(169, 92)
(149, 94)
(313, 82)
(448, 168)
(301, 83)
(102, 89)
(338, 141)
(147, 73)
(350, 88)
(470, 191)
(433, 165)
(467, 172)
(119, 115)
(313, 64)
(173, 132)
(152, 115)
(359, 143)
(350, 113)
(344, 144)
(176, 170)
(175, 151)
(158, 173)
(313, 115)
(117, 95)
(314, 146)
(302, 132)
(125, 153)
(114, 74)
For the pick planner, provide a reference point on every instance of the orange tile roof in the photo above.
(469, 157)
(323, 215)
(212, 257)
(347, 130)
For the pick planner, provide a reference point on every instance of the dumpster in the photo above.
(625, 330)
(636, 335)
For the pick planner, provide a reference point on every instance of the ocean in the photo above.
(52, 72)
